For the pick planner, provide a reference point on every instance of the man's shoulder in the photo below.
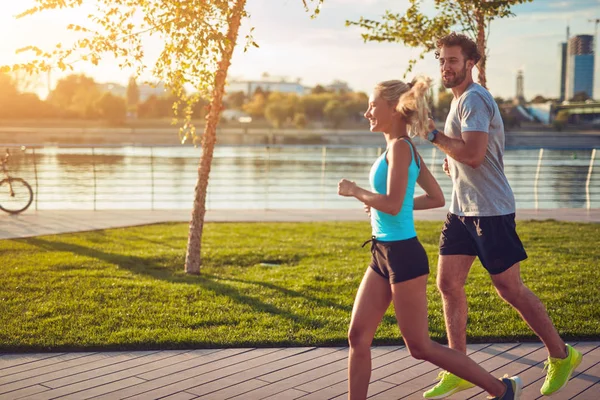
(475, 90)
(476, 94)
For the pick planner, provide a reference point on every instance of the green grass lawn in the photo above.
(262, 284)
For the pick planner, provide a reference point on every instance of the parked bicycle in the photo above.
(16, 194)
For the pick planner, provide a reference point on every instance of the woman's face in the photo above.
(380, 113)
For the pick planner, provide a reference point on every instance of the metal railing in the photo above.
(266, 177)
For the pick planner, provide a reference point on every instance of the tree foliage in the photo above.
(198, 36)
(416, 29)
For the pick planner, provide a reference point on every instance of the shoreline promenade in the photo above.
(50, 222)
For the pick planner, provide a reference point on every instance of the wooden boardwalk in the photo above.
(277, 373)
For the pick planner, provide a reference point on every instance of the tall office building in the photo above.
(563, 70)
(563, 66)
(580, 66)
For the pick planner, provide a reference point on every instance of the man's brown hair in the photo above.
(467, 45)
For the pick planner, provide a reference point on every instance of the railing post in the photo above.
(267, 172)
(537, 177)
(323, 163)
(94, 174)
(35, 175)
(588, 200)
(432, 163)
(152, 177)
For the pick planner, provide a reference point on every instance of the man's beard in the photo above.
(458, 78)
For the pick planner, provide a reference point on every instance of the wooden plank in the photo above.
(298, 375)
(238, 376)
(329, 357)
(180, 396)
(77, 373)
(294, 370)
(289, 394)
(592, 393)
(330, 392)
(103, 389)
(119, 362)
(87, 387)
(336, 384)
(31, 376)
(403, 361)
(11, 360)
(229, 388)
(267, 356)
(586, 375)
(374, 389)
(194, 362)
(99, 361)
(380, 357)
(25, 392)
(534, 377)
(202, 365)
(51, 362)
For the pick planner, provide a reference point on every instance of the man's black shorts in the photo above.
(493, 239)
(399, 260)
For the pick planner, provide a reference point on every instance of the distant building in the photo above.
(563, 71)
(520, 97)
(580, 66)
(267, 84)
(563, 67)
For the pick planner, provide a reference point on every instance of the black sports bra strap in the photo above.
(414, 153)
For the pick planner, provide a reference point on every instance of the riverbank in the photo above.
(233, 134)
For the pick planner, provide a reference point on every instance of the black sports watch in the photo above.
(432, 135)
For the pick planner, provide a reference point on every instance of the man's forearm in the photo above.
(455, 148)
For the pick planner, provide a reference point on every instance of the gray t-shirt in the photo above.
(483, 191)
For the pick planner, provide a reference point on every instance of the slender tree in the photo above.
(416, 29)
(199, 38)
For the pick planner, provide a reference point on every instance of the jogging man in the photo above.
(481, 221)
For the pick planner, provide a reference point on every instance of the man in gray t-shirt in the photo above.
(482, 191)
(481, 221)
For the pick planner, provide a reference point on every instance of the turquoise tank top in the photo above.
(387, 227)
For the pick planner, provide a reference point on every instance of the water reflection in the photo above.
(268, 177)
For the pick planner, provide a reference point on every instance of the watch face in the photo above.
(431, 136)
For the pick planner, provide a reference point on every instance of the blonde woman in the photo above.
(399, 267)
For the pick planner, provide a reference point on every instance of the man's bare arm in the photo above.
(470, 149)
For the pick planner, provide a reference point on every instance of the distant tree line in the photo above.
(321, 106)
(80, 97)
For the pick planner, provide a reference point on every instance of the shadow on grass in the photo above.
(156, 269)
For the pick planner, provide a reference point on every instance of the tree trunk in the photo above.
(480, 20)
(192, 258)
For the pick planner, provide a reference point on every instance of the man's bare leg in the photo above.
(511, 288)
(452, 275)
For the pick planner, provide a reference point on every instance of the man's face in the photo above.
(453, 66)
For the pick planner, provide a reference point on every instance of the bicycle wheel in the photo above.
(21, 198)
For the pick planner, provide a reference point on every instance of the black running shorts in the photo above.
(399, 261)
(493, 239)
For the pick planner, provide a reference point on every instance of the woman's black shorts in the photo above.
(400, 260)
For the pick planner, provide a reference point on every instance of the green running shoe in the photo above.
(560, 371)
(448, 385)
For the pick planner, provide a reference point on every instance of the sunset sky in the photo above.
(323, 49)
